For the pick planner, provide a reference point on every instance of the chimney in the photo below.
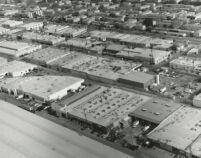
(157, 79)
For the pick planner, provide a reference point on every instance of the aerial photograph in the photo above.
(100, 78)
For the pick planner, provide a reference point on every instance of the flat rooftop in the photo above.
(136, 76)
(42, 37)
(14, 45)
(42, 86)
(97, 66)
(26, 135)
(15, 66)
(180, 129)
(155, 110)
(47, 55)
(144, 52)
(105, 106)
(187, 61)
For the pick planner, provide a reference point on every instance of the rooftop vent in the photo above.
(143, 109)
(157, 113)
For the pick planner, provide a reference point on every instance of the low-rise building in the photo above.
(137, 79)
(16, 49)
(32, 26)
(155, 111)
(153, 56)
(180, 132)
(95, 67)
(12, 23)
(105, 107)
(16, 68)
(189, 64)
(65, 31)
(46, 56)
(197, 100)
(43, 38)
(42, 88)
(3, 61)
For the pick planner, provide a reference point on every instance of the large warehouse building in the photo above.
(16, 68)
(25, 135)
(105, 107)
(94, 67)
(137, 79)
(43, 88)
(46, 56)
(15, 49)
(155, 111)
(180, 132)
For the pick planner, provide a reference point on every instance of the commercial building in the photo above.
(25, 135)
(84, 45)
(12, 23)
(4, 31)
(137, 79)
(42, 88)
(43, 38)
(3, 61)
(197, 100)
(113, 49)
(105, 107)
(16, 49)
(65, 31)
(94, 67)
(46, 56)
(180, 132)
(129, 40)
(32, 26)
(8, 12)
(155, 111)
(153, 56)
(16, 68)
(189, 64)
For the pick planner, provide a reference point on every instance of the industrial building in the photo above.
(188, 64)
(137, 79)
(65, 31)
(46, 56)
(25, 135)
(130, 40)
(14, 49)
(43, 38)
(180, 132)
(153, 56)
(155, 111)
(84, 45)
(16, 68)
(42, 88)
(197, 100)
(12, 23)
(3, 61)
(94, 67)
(32, 26)
(105, 107)
(4, 31)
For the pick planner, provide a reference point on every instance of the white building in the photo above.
(44, 88)
(145, 54)
(43, 38)
(188, 64)
(32, 26)
(197, 100)
(16, 49)
(12, 23)
(16, 68)
(3, 61)
(4, 31)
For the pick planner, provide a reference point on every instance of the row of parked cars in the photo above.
(29, 104)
